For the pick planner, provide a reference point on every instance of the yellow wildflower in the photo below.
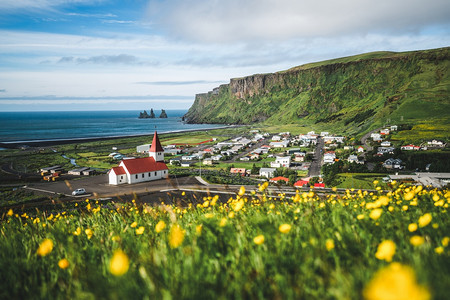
(198, 229)
(405, 207)
(241, 191)
(284, 228)
(329, 244)
(223, 222)
(119, 263)
(445, 241)
(409, 195)
(238, 205)
(395, 281)
(77, 232)
(416, 240)
(386, 250)
(425, 220)
(439, 250)
(45, 247)
(376, 214)
(160, 226)
(258, 240)
(263, 186)
(63, 263)
(89, 233)
(10, 212)
(140, 230)
(360, 217)
(412, 227)
(176, 236)
(133, 225)
(435, 197)
(231, 214)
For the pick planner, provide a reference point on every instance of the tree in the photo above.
(255, 170)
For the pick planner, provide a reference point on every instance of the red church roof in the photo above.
(118, 170)
(142, 165)
(156, 144)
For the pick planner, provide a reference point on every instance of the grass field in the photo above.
(353, 246)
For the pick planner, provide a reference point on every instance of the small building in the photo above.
(360, 149)
(281, 161)
(141, 169)
(385, 150)
(240, 171)
(393, 163)
(267, 172)
(329, 157)
(410, 148)
(348, 147)
(281, 144)
(376, 137)
(300, 157)
(279, 178)
(143, 148)
(394, 127)
(385, 144)
(301, 183)
(208, 161)
(354, 159)
(293, 151)
(186, 163)
(319, 185)
(384, 131)
(78, 172)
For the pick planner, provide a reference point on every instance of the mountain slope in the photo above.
(357, 92)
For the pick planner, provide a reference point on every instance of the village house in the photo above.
(393, 163)
(208, 161)
(281, 161)
(301, 183)
(394, 127)
(354, 159)
(141, 169)
(385, 150)
(267, 172)
(240, 171)
(436, 143)
(329, 157)
(282, 144)
(299, 157)
(360, 149)
(410, 148)
(384, 131)
(331, 139)
(348, 147)
(376, 137)
(279, 178)
(385, 144)
(216, 157)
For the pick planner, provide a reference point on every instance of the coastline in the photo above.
(46, 143)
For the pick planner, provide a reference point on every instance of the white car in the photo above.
(79, 192)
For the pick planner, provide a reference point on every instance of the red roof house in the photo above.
(301, 183)
(276, 179)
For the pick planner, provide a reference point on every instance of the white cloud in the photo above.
(10, 5)
(255, 20)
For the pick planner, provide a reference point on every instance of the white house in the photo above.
(141, 169)
(329, 157)
(360, 149)
(376, 137)
(410, 147)
(385, 144)
(393, 163)
(267, 172)
(281, 161)
(282, 144)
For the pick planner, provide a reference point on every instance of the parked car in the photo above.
(79, 192)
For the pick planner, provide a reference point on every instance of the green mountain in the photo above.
(352, 94)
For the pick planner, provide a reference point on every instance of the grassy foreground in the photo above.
(351, 246)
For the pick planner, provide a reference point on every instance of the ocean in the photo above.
(48, 126)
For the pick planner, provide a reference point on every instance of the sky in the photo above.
(142, 54)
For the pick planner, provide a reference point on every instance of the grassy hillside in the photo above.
(352, 94)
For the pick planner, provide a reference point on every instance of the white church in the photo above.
(136, 170)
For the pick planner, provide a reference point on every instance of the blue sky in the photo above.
(114, 55)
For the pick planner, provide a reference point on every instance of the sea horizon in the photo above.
(40, 126)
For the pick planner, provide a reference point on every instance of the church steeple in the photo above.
(156, 150)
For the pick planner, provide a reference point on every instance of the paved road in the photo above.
(314, 169)
(98, 186)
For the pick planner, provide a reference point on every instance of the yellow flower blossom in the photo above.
(412, 227)
(284, 228)
(176, 236)
(160, 226)
(10, 212)
(386, 250)
(223, 222)
(263, 186)
(45, 247)
(445, 241)
(119, 263)
(63, 263)
(425, 220)
(439, 250)
(77, 232)
(395, 281)
(89, 233)
(405, 207)
(238, 205)
(231, 214)
(241, 191)
(376, 214)
(133, 225)
(435, 197)
(258, 240)
(329, 244)
(416, 240)
(198, 229)
(360, 217)
(140, 230)
(409, 195)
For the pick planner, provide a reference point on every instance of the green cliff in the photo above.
(358, 92)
